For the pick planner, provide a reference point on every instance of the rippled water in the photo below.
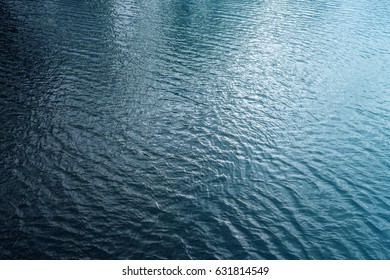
(195, 129)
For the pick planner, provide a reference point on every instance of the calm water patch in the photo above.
(195, 129)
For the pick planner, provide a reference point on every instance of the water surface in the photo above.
(228, 129)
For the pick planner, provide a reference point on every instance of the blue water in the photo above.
(199, 129)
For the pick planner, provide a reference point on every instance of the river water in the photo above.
(195, 129)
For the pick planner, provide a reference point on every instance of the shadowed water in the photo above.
(199, 129)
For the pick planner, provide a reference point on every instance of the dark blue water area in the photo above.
(199, 129)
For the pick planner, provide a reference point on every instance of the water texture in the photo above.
(195, 129)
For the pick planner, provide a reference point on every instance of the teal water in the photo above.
(195, 129)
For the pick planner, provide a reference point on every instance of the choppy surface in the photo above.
(195, 129)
